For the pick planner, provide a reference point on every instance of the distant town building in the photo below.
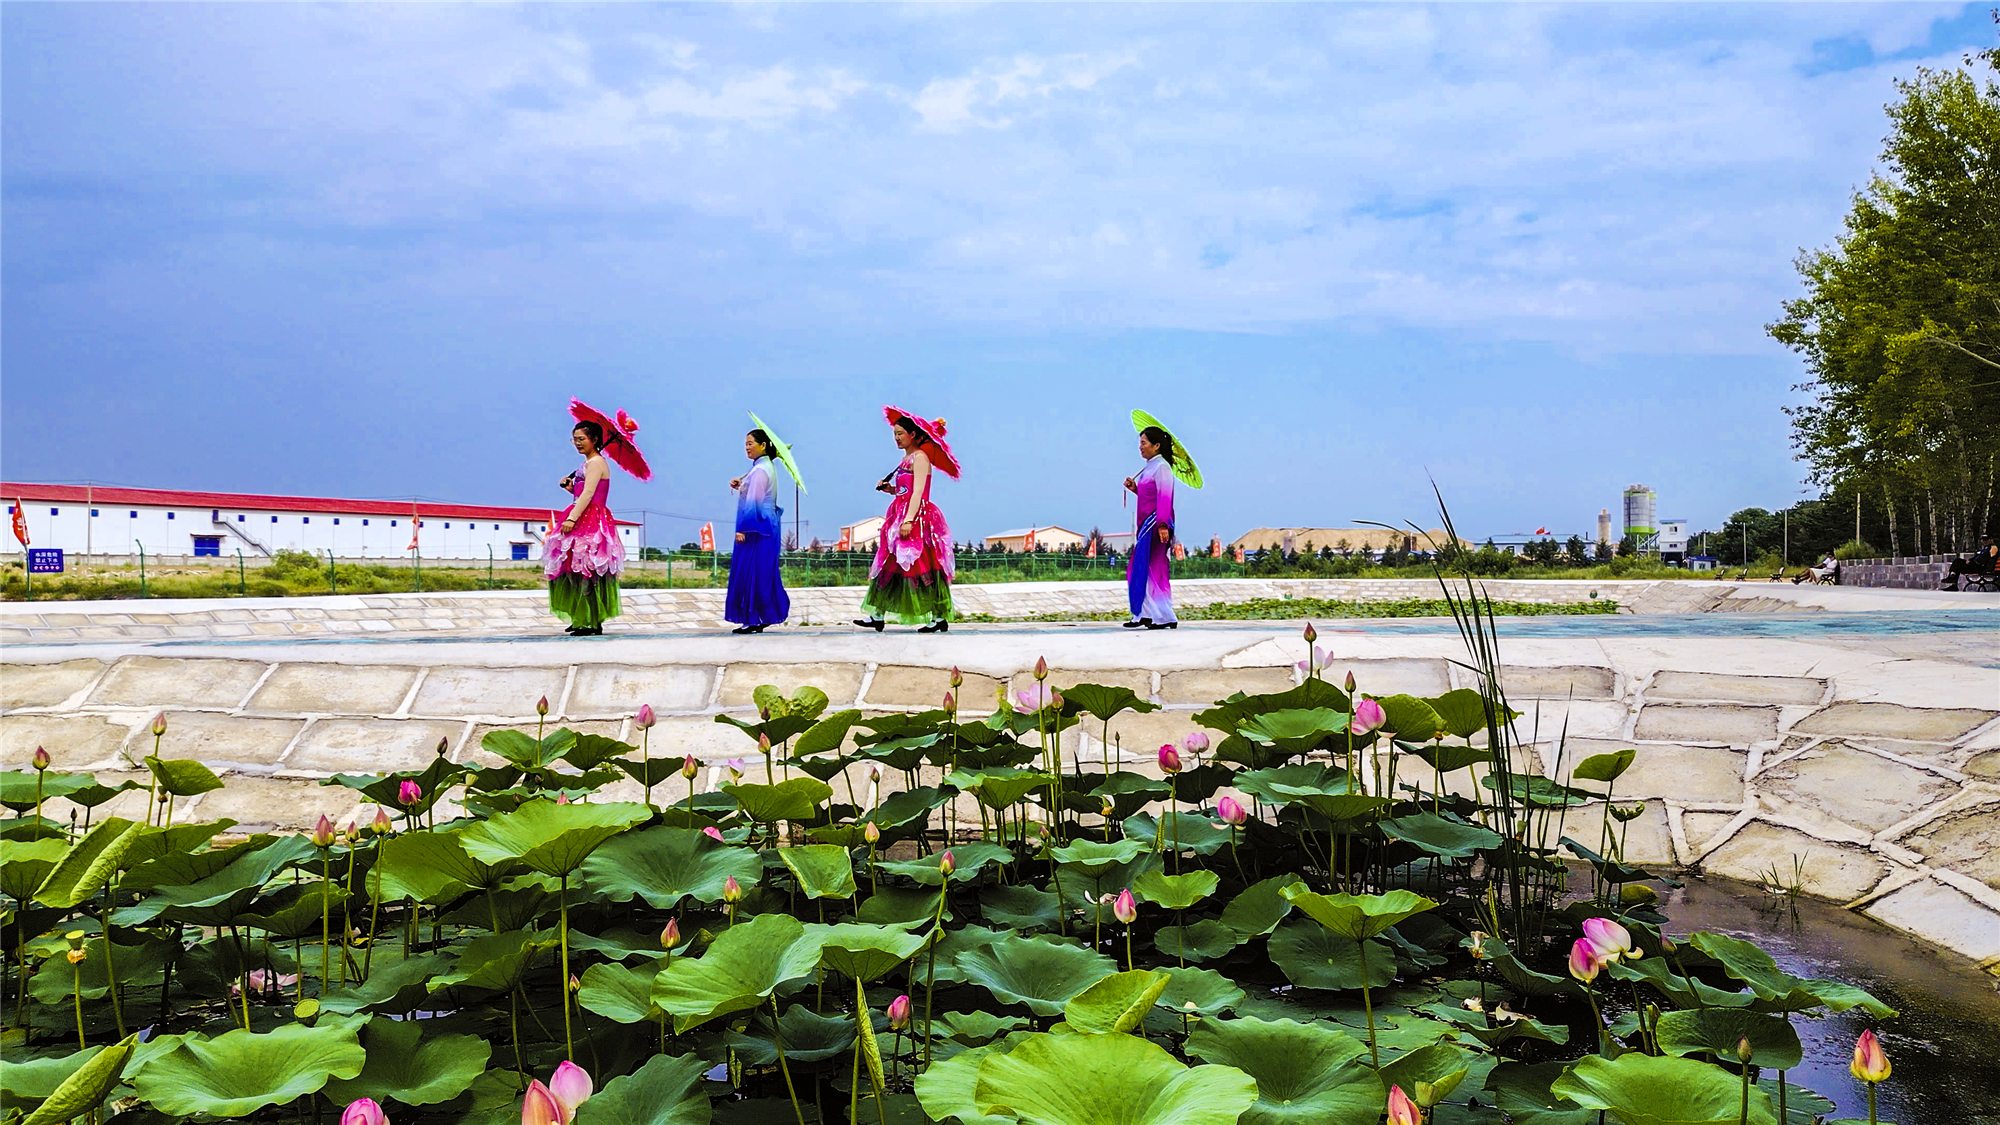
(862, 536)
(1048, 538)
(101, 521)
(1357, 540)
(1673, 541)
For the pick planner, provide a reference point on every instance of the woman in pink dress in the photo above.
(910, 582)
(582, 553)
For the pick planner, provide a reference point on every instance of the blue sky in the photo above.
(369, 250)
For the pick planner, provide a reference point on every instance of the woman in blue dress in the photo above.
(757, 598)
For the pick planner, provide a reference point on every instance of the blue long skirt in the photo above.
(756, 590)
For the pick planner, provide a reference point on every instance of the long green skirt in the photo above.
(908, 599)
(584, 603)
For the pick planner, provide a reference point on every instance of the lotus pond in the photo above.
(1324, 906)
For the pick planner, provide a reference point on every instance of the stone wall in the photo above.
(1912, 572)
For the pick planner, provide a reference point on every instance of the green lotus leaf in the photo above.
(1537, 790)
(1463, 712)
(1199, 992)
(1103, 703)
(665, 1091)
(1801, 1106)
(167, 857)
(1452, 758)
(1107, 1080)
(797, 799)
(1440, 834)
(1522, 1090)
(19, 788)
(779, 729)
(1774, 1042)
(1313, 956)
(1129, 792)
(1116, 1004)
(905, 807)
(1358, 917)
(240, 1072)
(1604, 767)
(619, 994)
(1231, 713)
(25, 864)
(92, 795)
(979, 1027)
(806, 702)
(496, 962)
(1295, 778)
(1261, 906)
(524, 751)
(899, 906)
(224, 897)
(139, 966)
(1444, 1065)
(826, 735)
(967, 860)
(945, 1089)
(296, 913)
(1091, 858)
(34, 1079)
(998, 787)
(1020, 907)
(1338, 807)
(442, 773)
(1305, 1073)
(1203, 941)
(664, 865)
(92, 1077)
(1186, 831)
(1653, 971)
(822, 870)
(1040, 973)
(1475, 1025)
(588, 751)
(87, 867)
(1651, 1090)
(431, 867)
(1176, 892)
(743, 967)
(183, 777)
(412, 1065)
(1295, 731)
(551, 838)
(808, 1037)
(1777, 990)
(1411, 719)
(863, 952)
(393, 984)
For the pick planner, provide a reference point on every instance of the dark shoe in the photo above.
(936, 627)
(1163, 625)
(1140, 623)
(574, 630)
(740, 630)
(874, 623)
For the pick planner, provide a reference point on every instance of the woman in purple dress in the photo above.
(1149, 577)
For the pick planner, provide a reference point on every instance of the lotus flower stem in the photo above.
(646, 763)
(1871, 1103)
(930, 966)
(325, 920)
(778, 1038)
(562, 935)
(76, 977)
(110, 969)
(1368, 1005)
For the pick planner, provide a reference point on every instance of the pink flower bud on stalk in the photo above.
(690, 767)
(1367, 716)
(763, 742)
(644, 719)
(159, 723)
(1195, 742)
(1125, 908)
(732, 891)
(957, 678)
(1744, 1051)
(874, 773)
(671, 935)
(540, 1107)
(899, 1012)
(1350, 681)
(1041, 668)
(1871, 1062)
(714, 833)
(40, 760)
(382, 824)
(443, 747)
(871, 834)
(1403, 1111)
(542, 706)
(1613, 941)
(1585, 960)
(571, 1086)
(575, 985)
(950, 701)
(1231, 811)
(409, 793)
(322, 836)
(1170, 758)
(1310, 634)
(947, 863)
(363, 1111)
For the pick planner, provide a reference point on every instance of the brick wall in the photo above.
(1912, 572)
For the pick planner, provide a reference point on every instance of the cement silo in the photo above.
(1639, 519)
(1604, 526)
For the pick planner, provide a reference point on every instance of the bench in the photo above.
(1988, 582)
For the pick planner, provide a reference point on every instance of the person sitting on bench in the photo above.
(1985, 561)
(1825, 568)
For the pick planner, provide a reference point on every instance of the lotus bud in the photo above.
(571, 1086)
(690, 767)
(1666, 944)
(562, 798)
(542, 706)
(1056, 700)
(1871, 1062)
(1195, 742)
(443, 747)
(947, 863)
(1613, 941)
(540, 1107)
(1585, 960)
(714, 833)
(1125, 908)
(763, 743)
(1170, 759)
(871, 834)
(957, 678)
(363, 1111)
(1041, 668)
(1403, 1111)
(950, 702)
(1310, 634)
(40, 760)
(735, 768)
(1349, 683)
(409, 792)
(1105, 807)
(644, 719)
(732, 891)
(670, 935)
(382, 825)
(763, 714)
(575, 985)
(1231, 811)
(899, 1012)
(1623, 813)
(1743, 1049)
(322, 834)
(1367, 716)
(874, 773)
(159, 723)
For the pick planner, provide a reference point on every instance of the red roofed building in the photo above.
(102, 520)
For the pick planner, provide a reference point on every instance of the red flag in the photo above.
(1215, 547)
(708, 537)
(1028, 541)
(846, 539)
(1541, 531)
(1239, 555)
(21, 522)
(1090, 552)
(414, 525)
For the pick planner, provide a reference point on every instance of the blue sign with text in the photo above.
(45, 560)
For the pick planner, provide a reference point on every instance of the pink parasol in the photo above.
(933, 428)
(618, 431)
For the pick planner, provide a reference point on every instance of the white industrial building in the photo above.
(101, 521)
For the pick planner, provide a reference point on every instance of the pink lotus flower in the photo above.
(40, 760)
(690, 767)
(562, 798)
(1403, 1111)
(763, 743)
(671, 935)
(1195, 742)
(1231, 811)
(263, 981)
(1035, 698)
(571, 1086)
(1315, 661)
(322, 836)
(1170, 758)
(1125, 908)
(540, 1107)
(1585, 960)
(363, 1111)
(1611, 939)
(1871, 1062)
(409, 793)
(542, 706)
(732, 891)
(899, 1012)
(1041, 668)
(1367, 716)
(947, 863)
(714, 833)
(159, 723)
(644, 719)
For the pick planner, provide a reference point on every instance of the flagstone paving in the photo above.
(1871, 756)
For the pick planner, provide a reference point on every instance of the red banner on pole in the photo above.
(415, 527)
(21, 522)
(846, 540)
(708, 537)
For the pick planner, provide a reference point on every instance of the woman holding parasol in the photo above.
(1149, 575)
(757, 598)
(582, 554)
(910, 581)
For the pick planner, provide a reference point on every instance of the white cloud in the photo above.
(992, 96)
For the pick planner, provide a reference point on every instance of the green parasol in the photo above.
(1182, 464)
(779, 450)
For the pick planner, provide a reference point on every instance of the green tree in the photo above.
(1899, 325)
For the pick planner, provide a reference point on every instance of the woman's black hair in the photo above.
(1160, 438)
(593, 431)
(763, 439)
(910, 427)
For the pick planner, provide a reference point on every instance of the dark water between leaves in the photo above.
(1944, 1044)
